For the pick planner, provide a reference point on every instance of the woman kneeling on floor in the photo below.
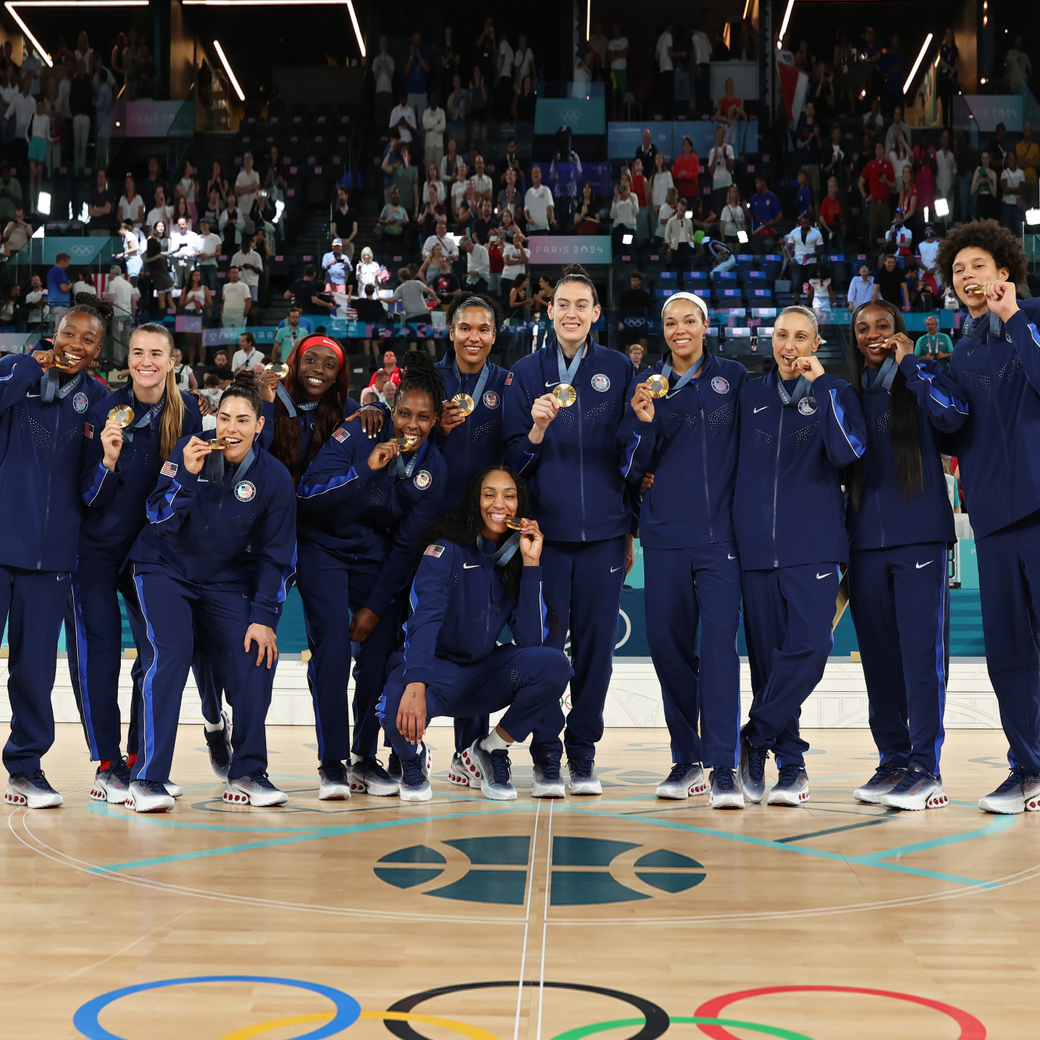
(475, 576)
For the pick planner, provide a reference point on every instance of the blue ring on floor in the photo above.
(348, 1010)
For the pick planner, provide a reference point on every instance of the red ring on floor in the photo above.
(971, 1027)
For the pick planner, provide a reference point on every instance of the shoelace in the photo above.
(581, 768)
(883, 774)
(215, 738)
(551, 767)
(120, 772)
(153, 787)
(789, 774)
(723, 779)
(756, 758)
(500, 766)
(679, 770)
(910, 779)
(37, 779)
(258, 779)
(1015, 778)
(334, 773)
(413, 771)
(374, 766)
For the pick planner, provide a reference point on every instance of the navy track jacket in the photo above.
(227, 527)
(691, 448)
(999, 447)
(460, 604)
(40, 507)
(350, 510)
(788, 508)
(576, 485)
(884, 517)
(115, 499)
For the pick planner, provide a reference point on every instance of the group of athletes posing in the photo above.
(489, 498)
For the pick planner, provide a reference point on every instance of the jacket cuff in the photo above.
(910, 366)
(418, 674)
(379, 601)
(187, 480)
(1017, 325)
(261, 616)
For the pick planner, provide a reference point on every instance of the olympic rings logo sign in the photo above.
(83, 251)
(571, 116)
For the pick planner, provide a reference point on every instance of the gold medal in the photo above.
(281, 370)
(65, 361)
(514, 523)
(124, 415)
(465, 403)
(565, 394)
(657, 385)
(219, 444)
(975, 290)
(405, 443)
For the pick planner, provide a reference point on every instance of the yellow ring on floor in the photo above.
(473, 1032)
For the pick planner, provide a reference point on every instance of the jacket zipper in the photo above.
(704, 457)
(776, 484)
(1003, 431)
(50, 474)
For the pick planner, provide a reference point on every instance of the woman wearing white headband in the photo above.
(682, 429)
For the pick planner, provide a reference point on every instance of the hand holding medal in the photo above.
(531, 539)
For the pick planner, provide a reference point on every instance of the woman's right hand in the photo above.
(450, 418)
(643, 403)
(195, 452)
(112, 442)
(267, 384)
(45, 358)
(411, 715)
(382, 454)
(543, 411)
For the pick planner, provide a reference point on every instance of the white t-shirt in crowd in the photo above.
(805, 251)
(249, 358)
(482, 185)
(620, 44)
(404, 131)
(157, 213)
(246, 198)
(659, 187)
(383, 67)
(701, 47)
(537, 202)
(250, 278)
(478, 263)
(1013, 179)
(522, 63)
(664, 63)
(131, 210)
(234, 297)
(721, 178)
(515, 266)
(927, 251)
(211, 243)
(439, 185)
(504, 66)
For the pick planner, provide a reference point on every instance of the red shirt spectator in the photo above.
(389, 369)
(831, 213)
(924, 176)
(873, 173)
(686, 173)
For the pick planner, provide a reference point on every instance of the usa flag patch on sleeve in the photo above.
(88, 431)
(169, 469)
(340, 435)
(509, 378)
(434, 550)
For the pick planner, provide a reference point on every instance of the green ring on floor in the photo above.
(696, 1020)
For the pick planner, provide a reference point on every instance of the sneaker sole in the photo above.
(726, 801)
(549, 790)
(259, 802)
(337, 793)
(1033, 804)
(792, 801)
(750, 796)
(935, 801)
(498, 795)
(1004, 810)
(462, 778)
(48, 802)
(380, 790)
(584, 788)
(111, 795)
(161, 807)
(417, 796)
(870, 798)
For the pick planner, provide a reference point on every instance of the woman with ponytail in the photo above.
(44, 399)
(364, 504)
(127, 437)
(900, 527)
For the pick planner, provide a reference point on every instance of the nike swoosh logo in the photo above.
(918, 566)
(820, 577)
(970, 352)
(469, 566)
(762, 409)
(614, 570)
(552, 382)
(731, 557)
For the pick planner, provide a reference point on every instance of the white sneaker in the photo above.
(333, 785)
(148, 796)
(583, 776)
(111, 785)
(1019, 793)
(415, 781)
(917, 790)
(459, 775)
(685, 779)
(369, 777)
(546, 781)
(725, 794)
(255, 789)
(172, 789)
(32, 791)
(792, 788)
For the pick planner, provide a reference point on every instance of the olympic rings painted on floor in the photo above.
(971, 1027)
(86, 1018)
(473, 1032)
(696, 1020)
(654, 1022)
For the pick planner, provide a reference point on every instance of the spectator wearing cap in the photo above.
(336, 266)
(900, 236)
(927, 250)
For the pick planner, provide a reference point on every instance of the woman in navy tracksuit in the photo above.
(997, 367)
(688, 441)
(475, 576)
(363, 507)
(569, 456)
(43, 409)
(118, 470)
(216, 556)
(472, 441)
(900, 526)
(799, 428)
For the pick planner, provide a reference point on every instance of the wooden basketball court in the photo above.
(620, 916)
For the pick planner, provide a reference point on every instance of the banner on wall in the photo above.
(569, 249)
(85, 252)
(582, 115)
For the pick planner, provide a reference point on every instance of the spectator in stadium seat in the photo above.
(664, 213)
(909, 201)
(344, 222)
(635, 353)
(732, 219)
(433, 212)
(434, 122)
(526, 100)
(641, 190)
(450, 163)
(834, 164)
(647, 151)
(861, 288)
(832, 218)
(393, 220)
(539, 210)
(131, 205)
(1028, 152)
(479, 105)
(624, 211)
(402, 118)
(483, 222)
(899, 237)
(896, 130)
(417, 76)
(1012, 188)
(808, 146)
(720, 166)
(729, 111)
(678, 237)
(890, 283)
(766, 213)
(509, 229)
(803, 247)
(617, 80)
(665, 54)
(510, 200)
(660, 181)
(876, 184)
(457, 107)
(247, 184)
(984, 187)
(945, 171)
(236, 301)
(406, 179)
(478, 265)
(503, 80)
(336, 267)
(160, 211)
(686, 171)
(804, 198)
(925, 168)
(433, 179)
(482, 183)
(383, 74)
(586, 217)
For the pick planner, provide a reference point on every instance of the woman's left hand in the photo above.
(266, 643)
(267, 384)
(371, 420)
(531, 539)
(809, 367)
(902, 346)
(363, 625)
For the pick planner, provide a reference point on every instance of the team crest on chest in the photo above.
(807, 406)
(245, 491)
(720, 385)
(422, 479)
(490, 399)
(80, 402)
(600, 382)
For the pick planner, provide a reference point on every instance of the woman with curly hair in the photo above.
(997, 366)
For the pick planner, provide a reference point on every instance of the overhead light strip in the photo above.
(229, 70)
